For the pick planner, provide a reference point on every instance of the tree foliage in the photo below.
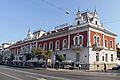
(61, 58)
(118, 52)
(40, 53)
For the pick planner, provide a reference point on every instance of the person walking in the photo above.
(79, 66)
(105, 67)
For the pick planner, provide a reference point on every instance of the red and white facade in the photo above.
(86, 42)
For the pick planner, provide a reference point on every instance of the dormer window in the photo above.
(78, 22)
(96, 22)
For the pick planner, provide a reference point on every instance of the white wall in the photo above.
(71, 55)
(92, 56)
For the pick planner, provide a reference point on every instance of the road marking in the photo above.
(36, 77)
(11, 76)
(54, 77)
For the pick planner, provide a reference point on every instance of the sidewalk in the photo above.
(77, 70)
(67, 70)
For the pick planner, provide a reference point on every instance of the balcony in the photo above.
(97, 47)
(76, 47)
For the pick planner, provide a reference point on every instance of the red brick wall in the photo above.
(92, 37)
(79, 33)
(54, 40)
(108, 38)
(92, 33)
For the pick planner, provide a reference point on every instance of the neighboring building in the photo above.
(5, 50)
(86, 42)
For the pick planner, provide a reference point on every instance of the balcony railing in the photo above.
(76, 47)
(97, 47)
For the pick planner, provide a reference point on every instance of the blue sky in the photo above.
(17, 16)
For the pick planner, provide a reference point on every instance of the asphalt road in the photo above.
(12, 73)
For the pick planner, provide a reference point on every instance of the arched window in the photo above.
(45, 46)
(106, 45)
(51, 46)
(111, 44)
(64, 43)
(98, 40)
(57, 46)
(40, 46)
(78, 22)
(80, 40)
(95, 38)
(76, 41)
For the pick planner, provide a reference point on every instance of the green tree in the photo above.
(118, 53)
(35, 52)
(12, 57)
(47, 54)
(40, 53)
(61, 58)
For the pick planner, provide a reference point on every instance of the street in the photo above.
(12, 73)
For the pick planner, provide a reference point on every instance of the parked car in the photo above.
(116, 68)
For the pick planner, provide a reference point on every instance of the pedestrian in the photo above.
(79, 66)
(105, 67)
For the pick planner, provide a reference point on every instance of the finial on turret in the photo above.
(78, 12)
(95, 11)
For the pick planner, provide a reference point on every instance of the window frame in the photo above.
(106, 43)
(97, 56)
(111, 57)
(50, 45)
(45, 47)
(77, 42)
(64, 44)
(57, 47)
(111, 45)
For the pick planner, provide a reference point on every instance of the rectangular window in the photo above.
(77, 56)
(111, 57)
(64, 56)
(106, 57)
(97, 56)
(103, 58)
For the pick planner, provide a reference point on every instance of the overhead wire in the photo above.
(57, 7)
(69, 13)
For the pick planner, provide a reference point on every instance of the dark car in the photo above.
(116, 68)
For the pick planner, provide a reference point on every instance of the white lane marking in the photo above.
(36, 77)
(54, 77)
(11, 76)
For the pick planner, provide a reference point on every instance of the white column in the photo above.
(89, 40)
(36, 44)
(68, 41)
(103, 41)
(115, 44)
(30, 47)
